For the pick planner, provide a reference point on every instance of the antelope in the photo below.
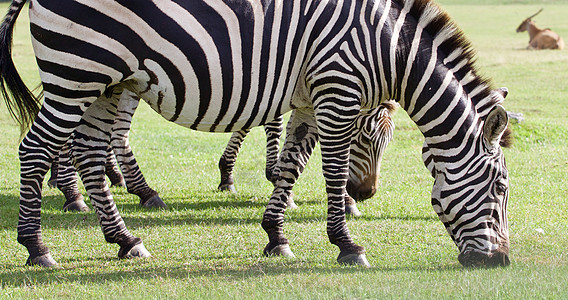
(540, 38)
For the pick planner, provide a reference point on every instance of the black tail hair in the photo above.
(20, 101)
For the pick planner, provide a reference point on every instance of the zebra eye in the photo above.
(500, 188)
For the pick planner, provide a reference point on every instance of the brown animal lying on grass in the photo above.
(540, 38)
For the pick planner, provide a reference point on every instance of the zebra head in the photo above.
(470, 196)
(373, 132)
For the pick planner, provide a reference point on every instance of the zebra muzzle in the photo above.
(476, 259)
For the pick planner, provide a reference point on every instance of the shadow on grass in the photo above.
(214, 208)
(21, 276)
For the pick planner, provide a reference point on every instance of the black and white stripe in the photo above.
(217, 65)
(367, 148)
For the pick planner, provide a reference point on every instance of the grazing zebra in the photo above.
(214, 65)
(363, 172)
(63, 173)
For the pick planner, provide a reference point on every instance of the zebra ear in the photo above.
(503, 91)
(495, 125)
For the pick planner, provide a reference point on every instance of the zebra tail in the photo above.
(20, 101)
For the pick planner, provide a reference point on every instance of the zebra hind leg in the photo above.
(36, 152)
(89, 152)
(133, 178)
(63, 178)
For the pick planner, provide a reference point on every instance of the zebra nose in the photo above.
(365, 190)
(475, 259)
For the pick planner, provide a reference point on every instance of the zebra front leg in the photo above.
(301, 138)
(52, 181)
(228, 158)
(335, 127)
(351, 207)
(227, 161)
(134, 179)
(89, 153)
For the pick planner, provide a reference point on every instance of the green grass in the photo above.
(208, 243)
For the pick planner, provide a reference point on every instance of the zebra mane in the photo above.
(390, 106)
(458, 51)
(460, 57)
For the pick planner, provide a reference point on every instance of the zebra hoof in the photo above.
(227, 187)
(43, 261)
(354, 260)
(291, 204)
(52, 183)
(138, 251)
(78, 206)
(280, 250)
(115, 177)
(352, 210)
(119, 184)
(154, 202)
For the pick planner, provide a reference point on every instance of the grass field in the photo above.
(208, 243)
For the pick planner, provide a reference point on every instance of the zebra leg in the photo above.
(351, 207)
(89, 152)
(273, 131)
(112, 170)
(335, 133)
(134, 179)
(37, 150)
(52, 181)
(301, 138)
(67, 181)
(228, 158)
(294, 157)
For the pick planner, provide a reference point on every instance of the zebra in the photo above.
(63, 173)
(362, 176)
(223, 66)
